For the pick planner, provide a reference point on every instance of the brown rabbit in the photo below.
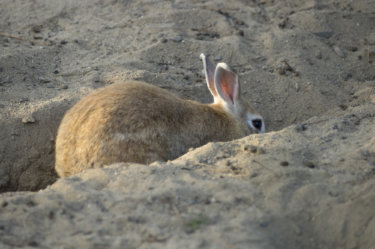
(137, 122)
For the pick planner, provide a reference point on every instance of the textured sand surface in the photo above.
(308, 68)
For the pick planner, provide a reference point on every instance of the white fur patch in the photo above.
(119, 137)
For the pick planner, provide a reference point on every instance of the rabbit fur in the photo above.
(138, 122)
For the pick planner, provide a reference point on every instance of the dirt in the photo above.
(307, 67)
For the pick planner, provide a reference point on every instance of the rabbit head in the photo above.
(225, 89)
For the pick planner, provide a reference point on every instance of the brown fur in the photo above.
(137, 122)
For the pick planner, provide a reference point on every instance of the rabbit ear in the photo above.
(209, 71)
(226, 83)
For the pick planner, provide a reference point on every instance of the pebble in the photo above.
(261, 151)
(218, 58)
(264, 223)
(318, 55)
(251, 148)
(324, 34)
(44, 80)
(284, 163)
(296, 85)
(309, 164)
(338, 51)
(353, 48)
(371, 55)
(36, 28)
(23, 100)
(300, 127)
(63, 87)
(240, 32)
(28, 119)
(177, 38)
(283, 68)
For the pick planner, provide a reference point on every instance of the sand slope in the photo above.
(308, 68)
(295, 188)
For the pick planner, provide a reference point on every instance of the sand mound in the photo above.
(307, 186)
(307, 66)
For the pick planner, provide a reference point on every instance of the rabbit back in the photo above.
(136, 122)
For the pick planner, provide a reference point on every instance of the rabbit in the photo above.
(137, 122)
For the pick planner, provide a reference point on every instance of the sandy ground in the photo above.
(307, 67)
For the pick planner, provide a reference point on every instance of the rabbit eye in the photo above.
(257, 123)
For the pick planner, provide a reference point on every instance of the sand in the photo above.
(307, 67)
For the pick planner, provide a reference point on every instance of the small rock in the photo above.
(283, 68)
(300, 127)
(251, 148)
(264, 223)
(240, 32)
(63, 87)
(283, 23)
(324, 34)
(36, 28)
(261, 151)
(353, 48)
(371, 55)
(177, 38)
(218, 58)
(309, 164)
(296, 86)
(245, 147)
(23, 100)
(44, 80)
(343, 107)
(28, 119)
(318, 55)
(348, 76)
(164, 40)
(338, 51)
(336, 127)
(333, 193)
(240, 22)
(33, 243)
(284, 163)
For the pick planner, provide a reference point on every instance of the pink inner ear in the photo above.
(229, 88)
(227, 85)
